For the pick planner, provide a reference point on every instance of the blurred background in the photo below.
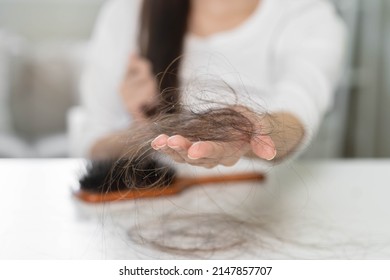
(43, 48)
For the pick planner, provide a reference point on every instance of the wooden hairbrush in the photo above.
(124, 180)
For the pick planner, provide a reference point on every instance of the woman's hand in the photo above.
(139, 88)
(283, 133)
(210, 154)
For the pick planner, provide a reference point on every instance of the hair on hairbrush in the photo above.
(122, 179)
(124, 174)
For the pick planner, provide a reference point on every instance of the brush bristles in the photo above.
(109, 176)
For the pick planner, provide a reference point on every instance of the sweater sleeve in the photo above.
(101, 111)
(307, 63)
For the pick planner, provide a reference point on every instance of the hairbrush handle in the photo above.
(228, 178)
(92, 197)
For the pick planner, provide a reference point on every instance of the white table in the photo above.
(307, 210)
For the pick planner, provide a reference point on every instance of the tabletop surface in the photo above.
(335, 209)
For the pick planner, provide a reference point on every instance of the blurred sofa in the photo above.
(38, 85)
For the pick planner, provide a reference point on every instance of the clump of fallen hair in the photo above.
(213, 234)
(221, 125)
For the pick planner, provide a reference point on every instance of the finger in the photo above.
(206, 149)
(132, 57)
(146, 65)
(180, 144)
(136, 114)
(136, 96)
(226, 154)
(138, 81)
(160, 144)
(264, 147)
(139, 89)
(139, 67)
(130, 64)
(172, 154)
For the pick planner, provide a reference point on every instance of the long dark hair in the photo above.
(163, 26)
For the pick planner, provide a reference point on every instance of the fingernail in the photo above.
(274, 155)
(156, 143)
(194, 158)
(173, 146)
(192, 148)
(156, 147)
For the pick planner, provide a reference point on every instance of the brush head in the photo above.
(124, 174)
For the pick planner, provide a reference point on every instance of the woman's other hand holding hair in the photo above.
(139, 87)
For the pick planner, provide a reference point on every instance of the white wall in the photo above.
(40, 20)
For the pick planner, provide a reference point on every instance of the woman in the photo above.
(290, 50)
